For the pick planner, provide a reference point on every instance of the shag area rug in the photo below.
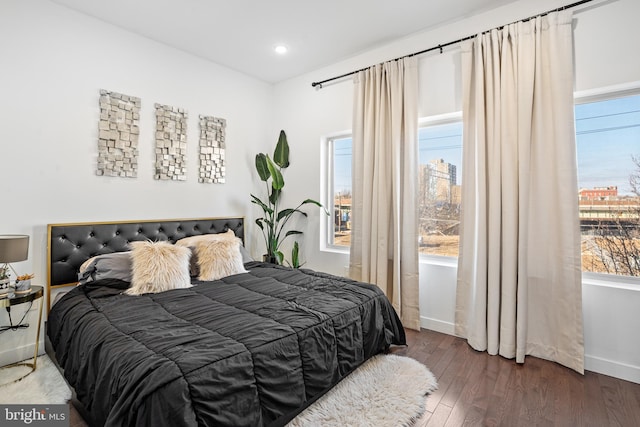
(387, 390)
(43, 386)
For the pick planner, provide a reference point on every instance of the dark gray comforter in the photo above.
(248, 350)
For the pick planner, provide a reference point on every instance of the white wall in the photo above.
(604, 36)
(54, 62)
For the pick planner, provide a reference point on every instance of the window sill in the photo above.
(611, 281)
(442, 261)
(335, 250)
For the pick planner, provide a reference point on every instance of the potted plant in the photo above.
(23, 283)
(273, 223)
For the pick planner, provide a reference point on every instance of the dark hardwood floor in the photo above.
(475, 389)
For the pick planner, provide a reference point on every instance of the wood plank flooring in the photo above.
(475, 389)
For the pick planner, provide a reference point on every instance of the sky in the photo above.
(607, 135)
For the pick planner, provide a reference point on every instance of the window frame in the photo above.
(596, 95)
(580, 97)
(435, 120)
(328, 197)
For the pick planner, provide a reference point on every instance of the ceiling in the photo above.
(242, 34)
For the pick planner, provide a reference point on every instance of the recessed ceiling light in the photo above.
(281, 49)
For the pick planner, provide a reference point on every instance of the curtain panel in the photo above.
(519, 288)
(384, 242)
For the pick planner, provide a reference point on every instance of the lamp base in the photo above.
(4, 286)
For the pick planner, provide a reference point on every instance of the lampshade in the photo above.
(14, 247)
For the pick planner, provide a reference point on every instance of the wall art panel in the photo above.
(171, 143)
(212, 148)
(118, 131)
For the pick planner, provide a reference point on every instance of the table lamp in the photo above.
(13, 248)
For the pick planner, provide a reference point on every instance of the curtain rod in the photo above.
(441, 46)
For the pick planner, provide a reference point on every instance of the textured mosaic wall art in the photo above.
(118, 132)
(171, 143)
(212, 162)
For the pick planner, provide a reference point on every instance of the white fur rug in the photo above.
(43, 386)
(387, 390)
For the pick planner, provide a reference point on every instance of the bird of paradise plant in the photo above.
(273, 223)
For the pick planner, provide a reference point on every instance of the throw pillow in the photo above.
(158, 267)
(218, 259)
(115, 265)
(194, 269)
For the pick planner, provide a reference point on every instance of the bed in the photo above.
(249, 349)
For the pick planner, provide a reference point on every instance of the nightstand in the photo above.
(12, 299)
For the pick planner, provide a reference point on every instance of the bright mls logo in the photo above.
(35, 415)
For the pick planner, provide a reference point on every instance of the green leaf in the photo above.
(259, 222)
(285, 213)
(277, 181)
(292, 232)
(315, 203)
(261, 166)
(281, 153)
(274, 196)
(262, 204)
(295, 258)
(279, 256)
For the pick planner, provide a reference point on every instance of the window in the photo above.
(439, 179)
(608, 144)
(340, 191)
(440, 144)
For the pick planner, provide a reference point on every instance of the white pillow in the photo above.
(219, 258)
(158, 267)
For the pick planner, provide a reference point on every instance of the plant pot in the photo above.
(23, 286)
(269, 259)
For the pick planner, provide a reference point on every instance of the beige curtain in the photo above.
(384, 243)
(519, 275)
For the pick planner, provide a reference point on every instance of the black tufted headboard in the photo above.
(69, 245)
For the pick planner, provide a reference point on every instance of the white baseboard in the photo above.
(612, 368)
(437, 325)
